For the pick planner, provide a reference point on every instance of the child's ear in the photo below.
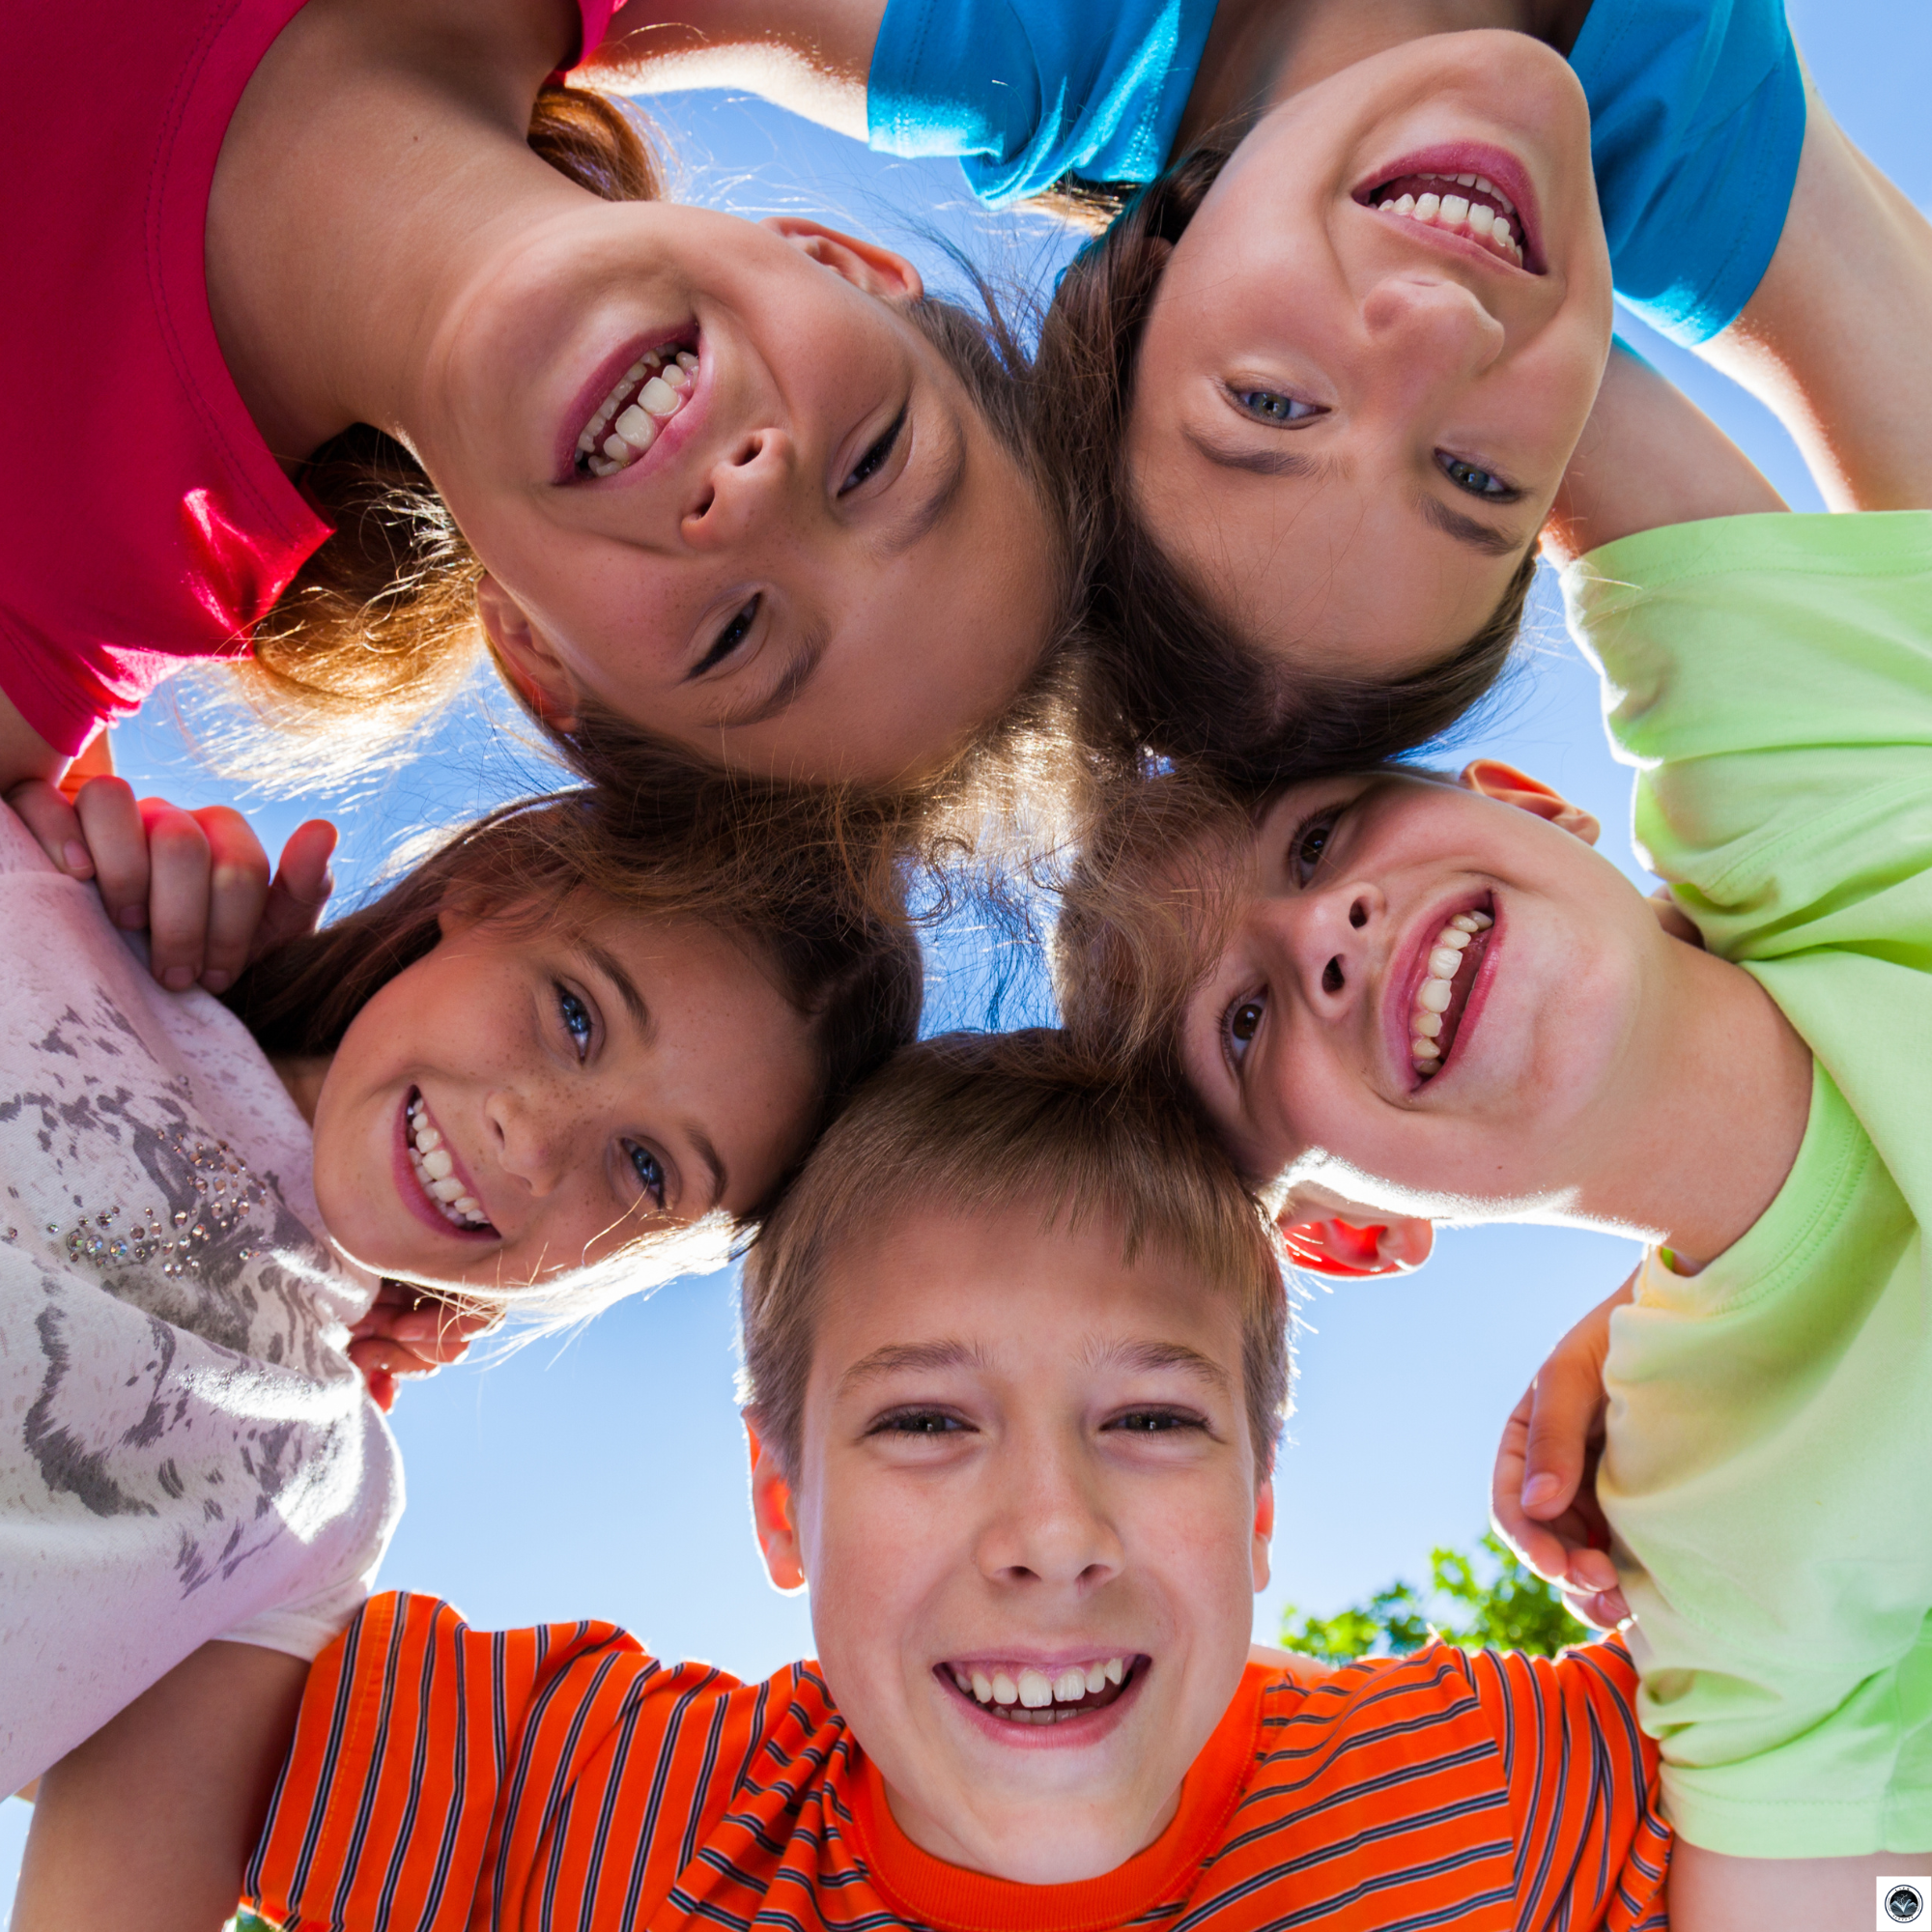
(772, 1516)
(1493, 779)
(539, 675)
(1264, 1532)
(877, 271)
(1399, 1245)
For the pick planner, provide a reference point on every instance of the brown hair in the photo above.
(967, 1118)
(853, 973)
(1165, 669)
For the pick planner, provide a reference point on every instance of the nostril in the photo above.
(1331, 976)
(1358, 915)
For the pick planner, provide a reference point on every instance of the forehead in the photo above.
(1016, 1288)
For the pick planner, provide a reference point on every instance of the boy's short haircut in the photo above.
(965, 1119)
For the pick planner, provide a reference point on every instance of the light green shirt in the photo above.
(1768, 1463)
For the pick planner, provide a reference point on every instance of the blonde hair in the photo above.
(967, 1118)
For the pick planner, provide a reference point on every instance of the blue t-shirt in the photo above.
(1696, 106)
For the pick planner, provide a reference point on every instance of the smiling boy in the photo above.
(1424, 1000)
(1015, 1352)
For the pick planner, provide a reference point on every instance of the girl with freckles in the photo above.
(573, 1051)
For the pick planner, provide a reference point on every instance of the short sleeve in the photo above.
(307, 1627)
(1025, 96)
(1590, 1847)
(1696, 122)
(1771, 679)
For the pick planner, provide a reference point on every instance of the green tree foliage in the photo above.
(1512, 1609)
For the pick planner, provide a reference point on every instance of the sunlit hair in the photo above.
(379, 631)
(806, 914)
(1166, 668)
(1029, 1117)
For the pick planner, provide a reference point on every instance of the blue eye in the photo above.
(651, 1172)
(1270, 405)
(578, 1022)
(1484, 483)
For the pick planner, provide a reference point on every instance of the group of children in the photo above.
(419, 356)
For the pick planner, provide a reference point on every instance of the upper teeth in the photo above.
(1448, 209)
(1028, 1695)
(649, 392)
(1433, 996)
(434, 1168)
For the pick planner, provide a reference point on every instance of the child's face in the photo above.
(1302, 1037)
(1350, 422)
(577, 1089)
(824, 564)
(1022, 1460)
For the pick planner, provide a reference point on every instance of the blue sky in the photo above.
(605, 1475)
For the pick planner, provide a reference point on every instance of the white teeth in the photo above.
(446, 1190)
(1426, 206)
(1005, 1690)
(1070, 1687)
(1466, 181)
(1035, 1690)
(964, 1682)
(983, 1687)
(437, 1165)
(1454, 211)
(1095, 1679)
(636, 429)
(628, 419)
(1030, 1696)
(435, 1171)
(1475, 218)
(1433, 996)
(1481, 219)
(1114, 1670)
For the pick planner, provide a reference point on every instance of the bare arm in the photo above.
(1709, 1892)
(811, 56)
(149, 1822)
(1648, 457)
(1833, 341)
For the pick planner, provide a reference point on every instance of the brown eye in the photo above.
(1243, 1022)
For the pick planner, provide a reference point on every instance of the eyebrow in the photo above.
(612, 968)
(927, 516)
(1467, 530)
(1152, 1357)
(797, 674)
(707, 1152)
(1261, 461)
(901, 1357)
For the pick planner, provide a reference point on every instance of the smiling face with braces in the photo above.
(1370, 352)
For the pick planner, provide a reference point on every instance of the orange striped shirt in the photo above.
(554, 1778)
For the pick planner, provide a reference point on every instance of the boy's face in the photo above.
(1024, 1460)
(1303, 1038)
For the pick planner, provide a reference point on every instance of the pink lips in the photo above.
(1077, 1735)
(669, 438)
(411, 1189)
(1471, 158)
(1399, 988)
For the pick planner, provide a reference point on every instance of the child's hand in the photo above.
(410, 1331)
(1543, 1500)
(197, 881)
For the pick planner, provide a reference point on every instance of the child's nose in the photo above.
(1327, 941)
(742, 491)
(530, 1139)
(1048, 1524)
(1434, 331)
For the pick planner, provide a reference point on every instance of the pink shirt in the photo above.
(146, 520)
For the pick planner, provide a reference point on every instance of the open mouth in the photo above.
(435, 1170)
(1470, 206)
(1020, 1693)
(644, 397)
(1455, 957)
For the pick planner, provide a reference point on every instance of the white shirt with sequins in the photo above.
(185, 1451)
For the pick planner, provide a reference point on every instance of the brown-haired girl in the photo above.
(348, 324)
(573, 1052)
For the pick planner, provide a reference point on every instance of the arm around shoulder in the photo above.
(155, 1814)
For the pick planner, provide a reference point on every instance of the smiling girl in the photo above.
(350, 327)
(548, 1067)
